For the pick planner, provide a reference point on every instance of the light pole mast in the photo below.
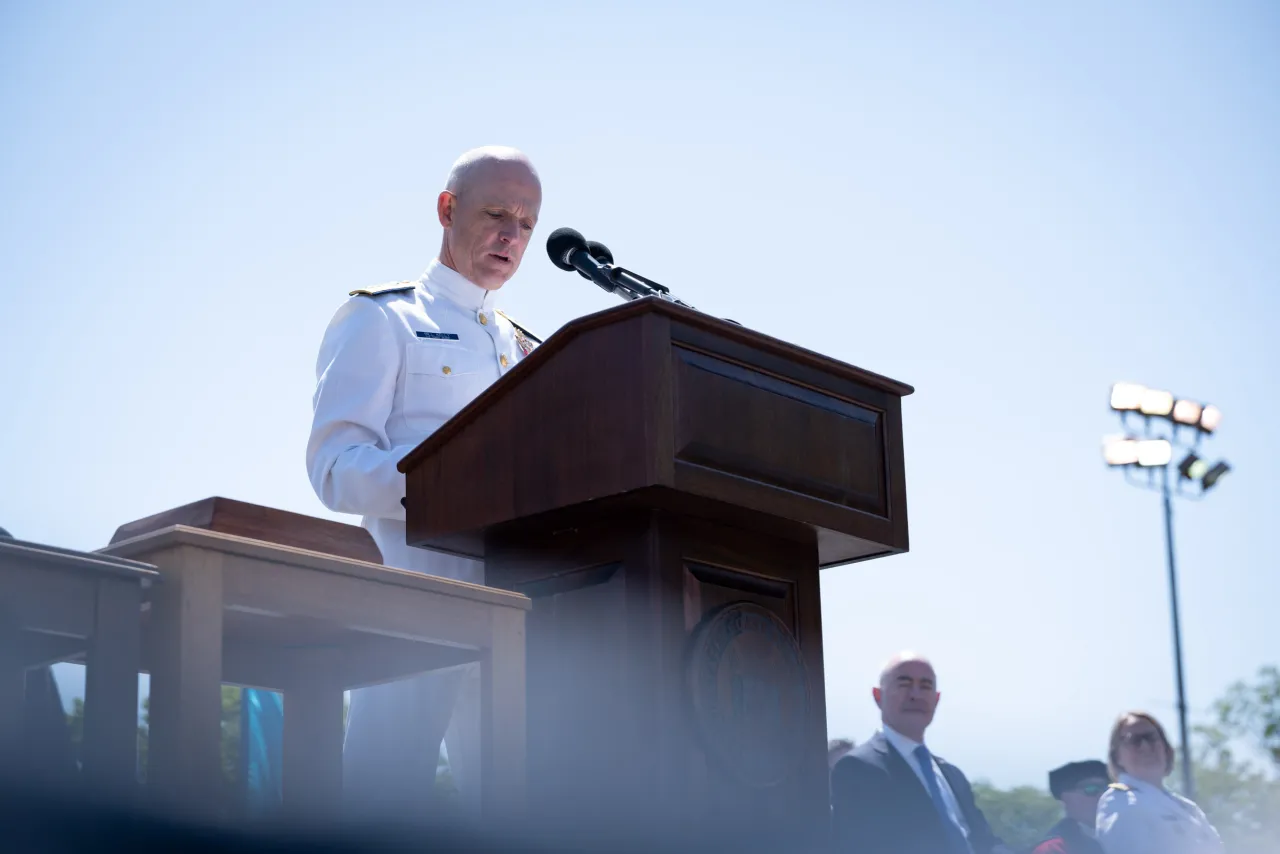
(1165, 419)
(1188, 783)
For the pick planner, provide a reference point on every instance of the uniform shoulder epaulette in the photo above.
(1119, 787)
(534, 338)
(378, 290)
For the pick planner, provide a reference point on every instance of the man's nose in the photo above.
(508, 233)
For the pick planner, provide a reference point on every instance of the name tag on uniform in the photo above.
(439, 336)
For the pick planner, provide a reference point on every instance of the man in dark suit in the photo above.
(891, 795)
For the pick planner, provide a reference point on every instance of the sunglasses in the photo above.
(1091, 789)
(1136, 738)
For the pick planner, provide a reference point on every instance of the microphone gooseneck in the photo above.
(569, 250)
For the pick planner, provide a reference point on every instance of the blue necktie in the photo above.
(956, 842)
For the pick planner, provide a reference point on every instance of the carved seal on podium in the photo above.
(749, 692)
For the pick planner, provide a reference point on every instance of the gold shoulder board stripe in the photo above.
(382, 289)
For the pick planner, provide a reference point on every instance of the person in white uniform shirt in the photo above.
(1137, 814)
(892, 795)
(395, 363)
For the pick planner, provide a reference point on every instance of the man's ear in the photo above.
(446, 204)
(875, 695)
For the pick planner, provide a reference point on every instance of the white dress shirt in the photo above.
(906, 748)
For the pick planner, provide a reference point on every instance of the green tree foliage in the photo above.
(1020, 816)
(230, 721)
(1252, 712)
(1242, 802)
(1240, 794)
(75, 722)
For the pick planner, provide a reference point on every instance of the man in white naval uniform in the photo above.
(395, 363)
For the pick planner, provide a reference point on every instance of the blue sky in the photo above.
(1008, 206)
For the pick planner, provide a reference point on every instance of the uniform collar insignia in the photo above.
(524, 339)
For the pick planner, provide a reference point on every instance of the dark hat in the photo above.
(1066, 777)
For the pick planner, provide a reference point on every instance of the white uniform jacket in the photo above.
(1135, 817)
(397, 362)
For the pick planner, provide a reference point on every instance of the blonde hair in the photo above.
(1113, 753)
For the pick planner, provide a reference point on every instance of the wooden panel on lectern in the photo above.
(655, 396)
(832, 448)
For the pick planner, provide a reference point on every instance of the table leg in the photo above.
(111, 688)
(184, 649)
(503, 770)
(13, 689)
(312, 749)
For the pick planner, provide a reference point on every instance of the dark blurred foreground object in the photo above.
(47, 820)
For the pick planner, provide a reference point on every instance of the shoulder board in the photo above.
(378, 290)
(1119, 786)
(534, 338)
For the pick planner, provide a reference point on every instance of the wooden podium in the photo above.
(665, 487)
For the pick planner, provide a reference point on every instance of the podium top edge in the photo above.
(733, 329)
(688, 316)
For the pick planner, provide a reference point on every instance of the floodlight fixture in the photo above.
(1127, 397)
(1192, 467)
(1156, 402)
(1214, 474)
(1120, 450)
(1154, 452)
(1210, 418)
(1187, 412)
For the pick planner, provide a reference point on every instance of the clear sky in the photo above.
(1008, 206)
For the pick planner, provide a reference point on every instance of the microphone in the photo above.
(569, 250)
(600, 252)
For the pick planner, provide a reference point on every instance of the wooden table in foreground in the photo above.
(245, 611)
(65, 605)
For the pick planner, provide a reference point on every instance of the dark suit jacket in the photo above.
(878, 805)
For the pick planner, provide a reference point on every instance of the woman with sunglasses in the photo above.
(1137, 814)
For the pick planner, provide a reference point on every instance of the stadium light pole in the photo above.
(1165, 421)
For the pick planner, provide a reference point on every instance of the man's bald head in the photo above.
(906, 657)
(473, 165)
(488, 210)
(907, 694)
